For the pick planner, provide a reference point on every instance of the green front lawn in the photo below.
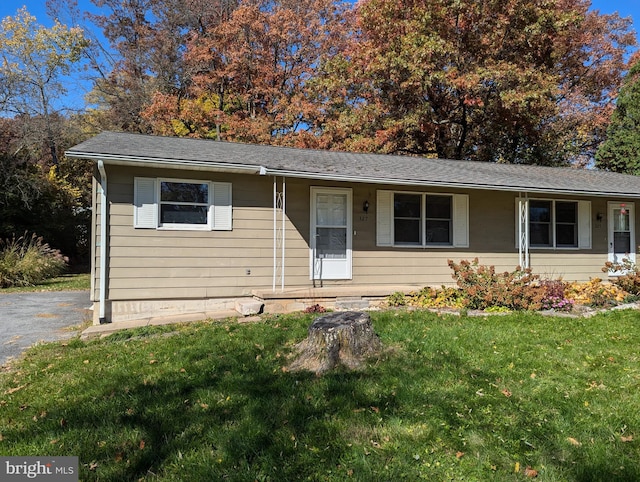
(67, 282)
(455, 398)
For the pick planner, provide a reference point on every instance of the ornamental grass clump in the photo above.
(28, 260)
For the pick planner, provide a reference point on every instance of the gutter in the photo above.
(451, 184)
(113, 159)
(104, 243)
(158, 162)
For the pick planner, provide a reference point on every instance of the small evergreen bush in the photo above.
(28, 260)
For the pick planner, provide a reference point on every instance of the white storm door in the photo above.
(621, 232)
(330, 233)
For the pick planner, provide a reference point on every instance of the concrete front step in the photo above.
(348, 303)
(249, 306)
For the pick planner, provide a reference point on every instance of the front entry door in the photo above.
(621, 232)
(330, 233)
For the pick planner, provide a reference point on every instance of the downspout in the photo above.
(103, 242)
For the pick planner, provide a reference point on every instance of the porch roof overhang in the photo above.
(208, 155)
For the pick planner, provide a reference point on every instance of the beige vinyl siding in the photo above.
(169, 264)
(157, 264)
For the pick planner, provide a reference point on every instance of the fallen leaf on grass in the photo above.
(142, 444)
(529, 472)
(459, 455)
(506, 393)
(14, 390)
(628, 438)
(573, 441)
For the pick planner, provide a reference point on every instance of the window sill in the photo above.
(186, 227)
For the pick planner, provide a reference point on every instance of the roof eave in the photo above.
(192, 165)
(196, 165)
(454, 185)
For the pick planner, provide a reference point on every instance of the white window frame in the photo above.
(583, 224)
(185, 226)
(385, 222)
(147, 205)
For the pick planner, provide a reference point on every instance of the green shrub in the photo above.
(443, 297)
(27, 261)
(397, 299)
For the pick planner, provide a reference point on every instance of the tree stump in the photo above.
(338, 339)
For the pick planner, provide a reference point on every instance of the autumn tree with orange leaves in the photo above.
(519, 81)
(250, 75)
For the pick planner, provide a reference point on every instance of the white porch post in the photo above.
(275, 235)
(283, 235)
(523, 231)
(279, 203)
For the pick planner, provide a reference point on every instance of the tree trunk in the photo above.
(342, 339)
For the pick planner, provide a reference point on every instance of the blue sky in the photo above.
(36, 7)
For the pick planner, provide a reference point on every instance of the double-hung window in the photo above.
(182, 204)
(421, 219)
(559, 224)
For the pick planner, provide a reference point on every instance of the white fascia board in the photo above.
(166, 163)
(449, 185)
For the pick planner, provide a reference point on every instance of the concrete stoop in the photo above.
(348, 303)
(249, 306)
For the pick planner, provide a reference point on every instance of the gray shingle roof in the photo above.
(185, 153)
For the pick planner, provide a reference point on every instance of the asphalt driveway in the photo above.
(27, 318)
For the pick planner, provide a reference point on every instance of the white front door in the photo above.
(330, 233)
(621, 232)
